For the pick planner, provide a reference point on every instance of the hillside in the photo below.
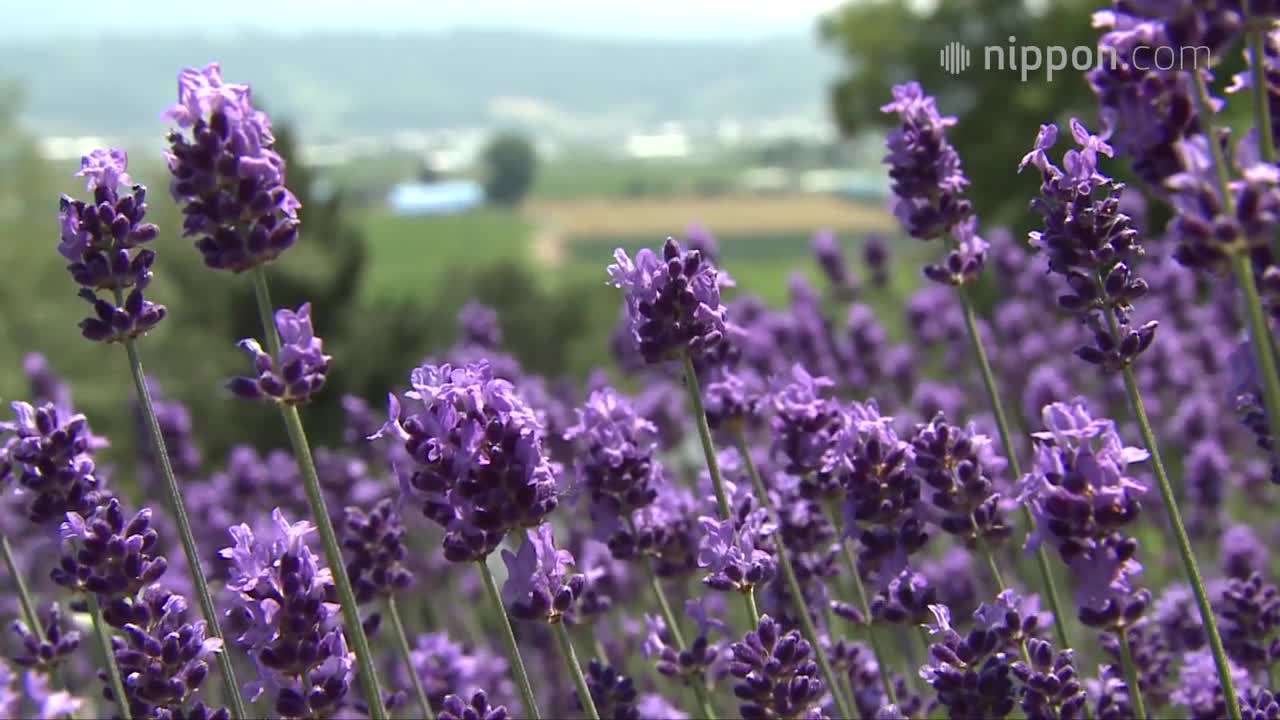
(343, 83)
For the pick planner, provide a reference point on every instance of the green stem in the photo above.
(873, 637)
(1183, 542)
(571, 661)
(754, 612)
(320, 515)
(1271, 391)
(199, 580)
(829, 617)
(673, 625)
(509, 639)
(713, 463)
(1261, 109)
(109, 656)
(406, 655)
(1131, 676)
(704, 434)
(1011, 454)
(1260, 332)
(793, 584)
(24, 595)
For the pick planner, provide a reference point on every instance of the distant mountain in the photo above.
(342, 83)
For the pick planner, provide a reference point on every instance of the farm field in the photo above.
(762, 237)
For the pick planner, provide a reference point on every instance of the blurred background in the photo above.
(496, 150)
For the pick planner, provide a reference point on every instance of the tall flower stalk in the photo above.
(509, 640)
(797, 592)
(103, 243)
(674, 313)
(1091, 242)
(929, 183)
(713, 463)
(320, 511)
(230, 182)
(103, 635)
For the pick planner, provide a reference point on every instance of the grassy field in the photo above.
(410, 256)
(763, 239)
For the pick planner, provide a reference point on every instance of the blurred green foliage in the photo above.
(510, 165)
(887, 42)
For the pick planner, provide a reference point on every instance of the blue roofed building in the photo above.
(436, 198)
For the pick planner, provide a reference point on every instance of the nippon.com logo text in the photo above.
(1030, 60)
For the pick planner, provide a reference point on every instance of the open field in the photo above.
(724, 215)
(763, 238)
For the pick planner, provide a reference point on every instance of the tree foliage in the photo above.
(510, 165)
(888, 42)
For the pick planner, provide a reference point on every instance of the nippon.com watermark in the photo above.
(955, 57)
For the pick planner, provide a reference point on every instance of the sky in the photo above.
(633, 18)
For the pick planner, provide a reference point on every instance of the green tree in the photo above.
(889, 42)
(510, 165)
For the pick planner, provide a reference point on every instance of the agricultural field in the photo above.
(762, 237)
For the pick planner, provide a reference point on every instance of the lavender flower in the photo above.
(965, 261)
(1212, 26)
(50, 703)
(698, 237)
(906, 599)
(179, 436)
(479, 325)
(101, 241)
(1206, 232)
(51, 455)
(805, 423)
(875, 253)
(732, 551)
(694, 664)
(297, 374)
(1242, 552)
(447, 668)
(539, 585)
(1177, 619)
(285, 618)
(1153, 655)
(44, 655)
(613, 693)
(830, 257)
(165, 659)
(666, 531)
(477, 708)
(1052, 691)
(616, 453)
(732, 399)
(957, 464)
(374, 542)
(928, 181)
(227, 176)
(1082, 499)
(107, 554)
(778, 676)
(1148, 111)
(972, 674)
(882, 497)
(1200, 691)
(1090, 242)
(1260, 704)
(1250, 614)
(478, 457)
(673, 304)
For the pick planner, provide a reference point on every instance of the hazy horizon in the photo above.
(675, 19)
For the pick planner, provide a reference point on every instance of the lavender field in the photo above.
(1006, 448)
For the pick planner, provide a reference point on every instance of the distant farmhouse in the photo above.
(435, 198)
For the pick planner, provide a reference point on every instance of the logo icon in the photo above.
(954, 57)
